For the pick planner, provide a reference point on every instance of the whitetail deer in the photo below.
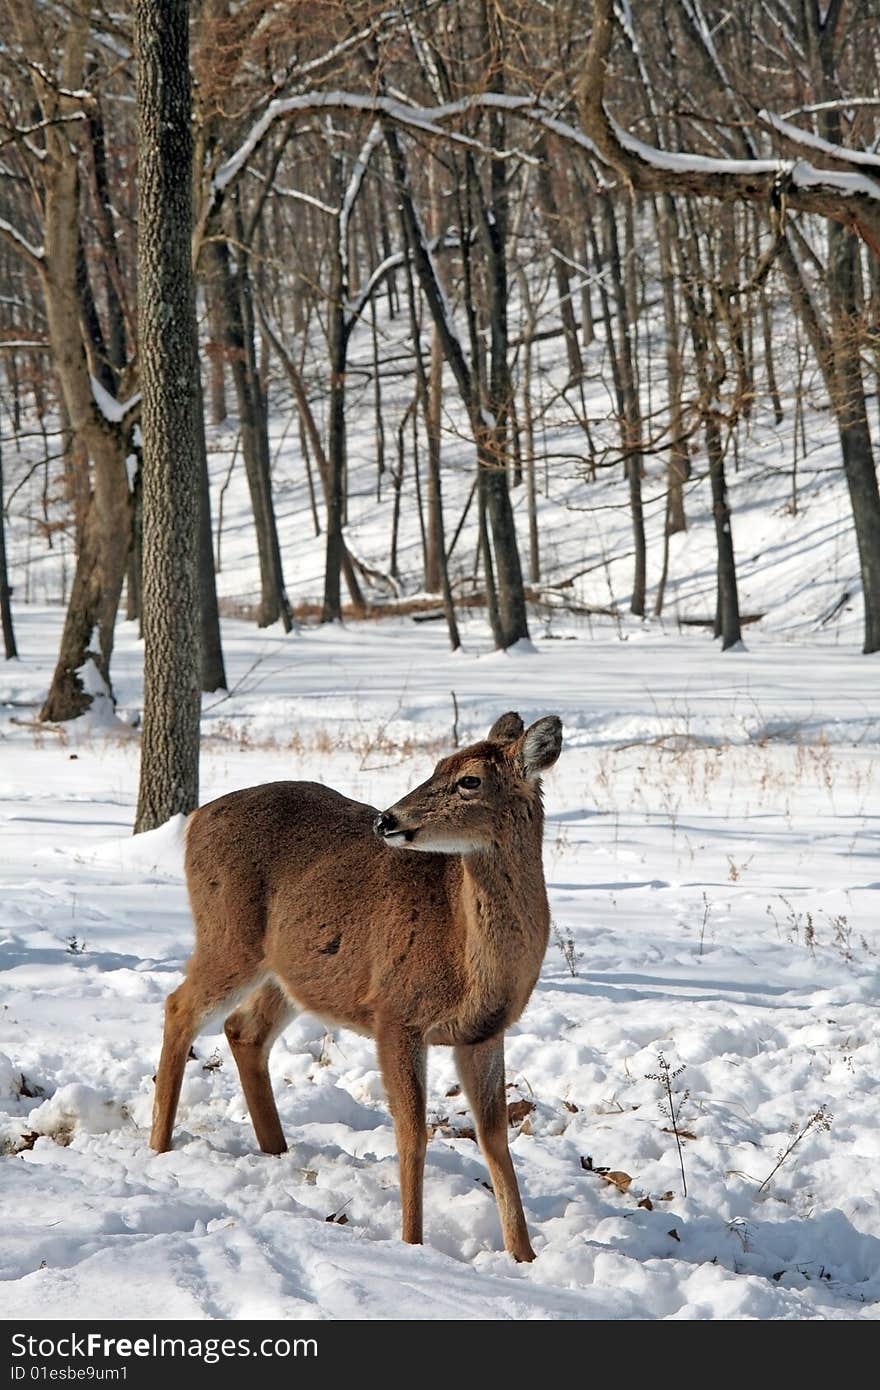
(306, 900)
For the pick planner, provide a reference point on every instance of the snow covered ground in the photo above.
(712, 859)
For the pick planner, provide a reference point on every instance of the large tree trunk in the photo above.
(847, 388)
(106, 528)
(172, 474)
(494, 228)
(97, 583)
(852, 419)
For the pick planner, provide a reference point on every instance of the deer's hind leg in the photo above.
(205, 991)
(251, 1031)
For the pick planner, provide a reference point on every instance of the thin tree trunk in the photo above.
(5, 591)
(397, 484)
(216, 350)
(134, 564)
(169, 781)
(727, 620)
(337, 345)
(377, 401)
(560, 251)
(234, 295)
(213, 670)
(312, 435)
(432, 403)
(491, 453)
(679, 466)
(631, 423)
(767, 334)
(485, 552)
(529, 424)
(117, 349)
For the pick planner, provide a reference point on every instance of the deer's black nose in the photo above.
(384, 824)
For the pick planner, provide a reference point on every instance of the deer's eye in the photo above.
(469, 784)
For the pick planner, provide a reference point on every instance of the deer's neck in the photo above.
(504, 912)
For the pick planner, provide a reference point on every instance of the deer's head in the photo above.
(467, 803)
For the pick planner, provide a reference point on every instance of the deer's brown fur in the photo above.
(304, 899)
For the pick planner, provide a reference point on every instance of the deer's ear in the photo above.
(540, 747)
(507, 729)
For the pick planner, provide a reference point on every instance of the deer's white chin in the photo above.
(423, 842)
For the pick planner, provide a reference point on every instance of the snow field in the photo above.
(711, 859)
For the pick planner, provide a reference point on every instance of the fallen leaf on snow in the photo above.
(518, 1109)
(619, 1180)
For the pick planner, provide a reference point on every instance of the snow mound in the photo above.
(101, 716)
(153, 852)
(524, 647)
(77, 1107)
(10, 1078)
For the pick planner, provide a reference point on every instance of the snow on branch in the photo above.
(24, 345)
(429, 120)
(35, 254)
(842, 104)
(798, 171)
(356, 306)
(298, 196)
(808, 140)
(112, 410)
(358, 173)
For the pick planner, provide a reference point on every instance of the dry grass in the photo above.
(365, 743)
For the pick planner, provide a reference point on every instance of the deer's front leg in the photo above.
(481, 1068)
(402, 1061)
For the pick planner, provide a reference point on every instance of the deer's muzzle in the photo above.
(387, 827)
